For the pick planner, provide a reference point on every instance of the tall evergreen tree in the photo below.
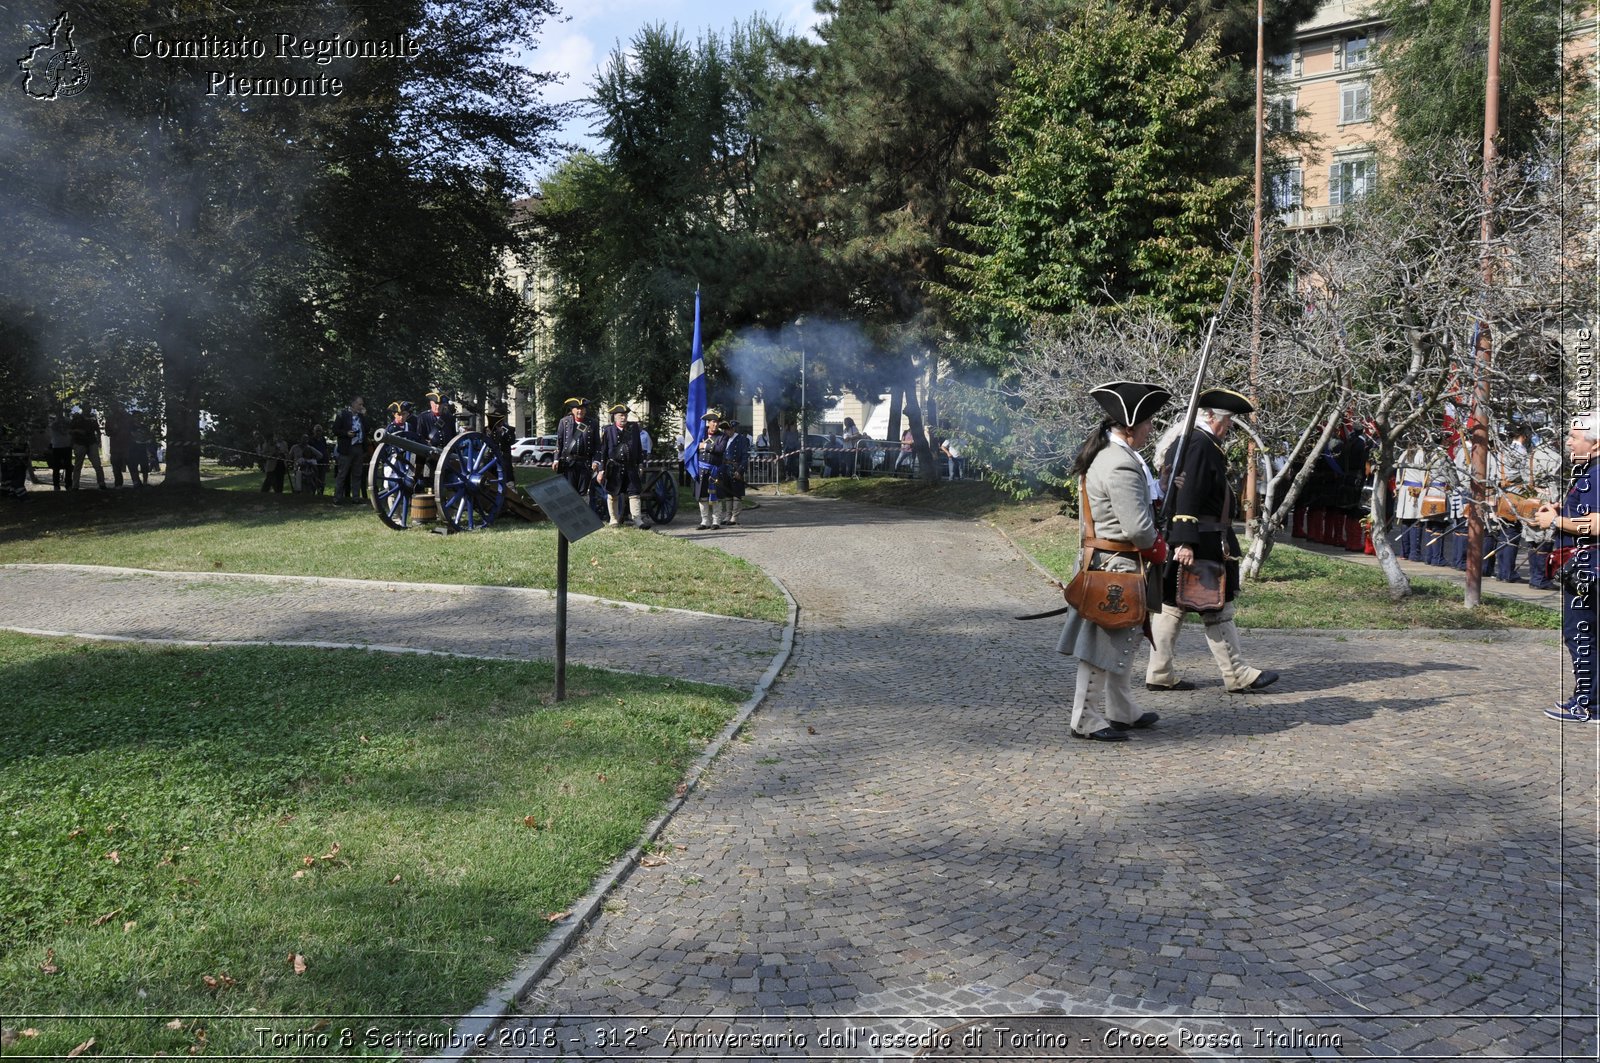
(1432, 72)
(1115, 178)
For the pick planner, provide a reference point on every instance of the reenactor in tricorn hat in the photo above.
(616, 466)
(712, 450)
(1201, 504)
(436, 425)
(1117, 492)
(576, 441)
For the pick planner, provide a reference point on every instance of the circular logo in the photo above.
(68, 73)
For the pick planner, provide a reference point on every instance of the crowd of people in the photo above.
(1428, 499)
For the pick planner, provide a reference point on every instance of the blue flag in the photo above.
(694, 415)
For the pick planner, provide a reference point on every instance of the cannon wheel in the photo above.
(392, 474)
(661, 499)
(471, 481)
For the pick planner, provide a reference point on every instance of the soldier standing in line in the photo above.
(735, 469)
(1202, 530)
(576, 441)
(616, 466)
(712, 450)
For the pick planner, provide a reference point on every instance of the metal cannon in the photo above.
(472, 481)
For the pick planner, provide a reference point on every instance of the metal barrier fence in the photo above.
(878, 459)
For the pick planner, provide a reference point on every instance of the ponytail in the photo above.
(1092, 446)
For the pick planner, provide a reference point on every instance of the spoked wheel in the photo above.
(471, 481)
(392, 474)
(661, 500)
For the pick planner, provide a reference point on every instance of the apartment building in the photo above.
(1323, 87)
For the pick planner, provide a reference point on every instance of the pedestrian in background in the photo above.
(1576, 523)
(706, 484)
(350, 432)
(576, 442)
(85, 428)
(61, 451)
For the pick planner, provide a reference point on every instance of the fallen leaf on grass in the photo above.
(104, 919)
(286, 819)
(331, 853)
(114, 856)
(298, 962)
(128, 927)
(30, 1032)
(175, 1024)
(600, 777)
(309, 861)
(556, 917)
(49, 964)
(365, 740)
(394, 880)
(81, 1049)
(299, 874)
(530, 821)
(223, 980)
(76, 832)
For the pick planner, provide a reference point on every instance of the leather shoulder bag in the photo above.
(1111, 600)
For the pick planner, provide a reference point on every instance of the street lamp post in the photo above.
(803, 481)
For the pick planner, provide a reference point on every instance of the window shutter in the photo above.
(1334, 199)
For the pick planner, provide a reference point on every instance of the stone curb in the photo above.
(393, 585)
(472, 1031)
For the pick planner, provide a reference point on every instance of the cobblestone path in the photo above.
(475, 621)
(1389, 853)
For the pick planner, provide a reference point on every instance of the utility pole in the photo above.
(1478, 424)
(1250, 486)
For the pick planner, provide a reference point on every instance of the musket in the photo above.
(1194, 395)
(1188, 423)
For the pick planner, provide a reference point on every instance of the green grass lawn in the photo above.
(229, 526)
(180, 824)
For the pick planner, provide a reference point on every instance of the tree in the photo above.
(675, 201)
(1393, 295)
(239, 240)
(1116, 172)
(1430, 79)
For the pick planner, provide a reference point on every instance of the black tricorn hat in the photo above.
(577, 401)
(1228, 401)
(618, 408)
(1129, 401)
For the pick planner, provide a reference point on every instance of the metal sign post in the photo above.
(573, 518)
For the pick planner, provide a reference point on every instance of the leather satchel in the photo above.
(1203, 587)
(1111, 600)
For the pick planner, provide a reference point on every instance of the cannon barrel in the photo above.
(407, 444)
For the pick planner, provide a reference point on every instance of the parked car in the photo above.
(534, 450)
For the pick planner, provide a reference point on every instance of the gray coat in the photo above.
(1120, 502)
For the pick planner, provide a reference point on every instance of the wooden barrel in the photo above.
(424, 509)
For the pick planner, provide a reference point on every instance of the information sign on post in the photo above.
(573, 518)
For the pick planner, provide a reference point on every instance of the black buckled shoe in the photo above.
(1137, 725)
(1105, 734)
(1182, 684)
(1263, 681)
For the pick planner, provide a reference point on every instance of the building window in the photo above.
(1284, 191)
(1280, 114)
(1284, 64)
(1357, 52)
(1350, 179)
(1355, 102)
